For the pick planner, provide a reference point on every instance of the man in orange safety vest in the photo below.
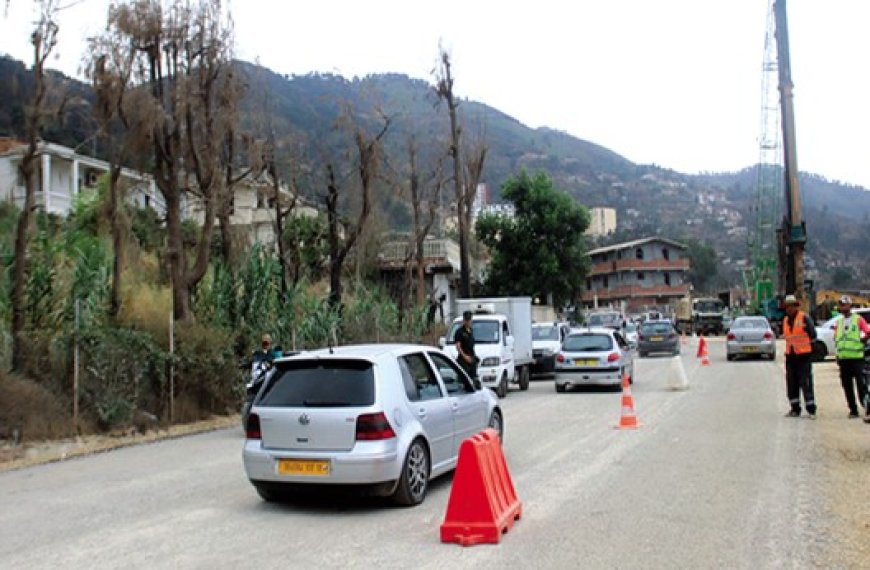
(799, 332)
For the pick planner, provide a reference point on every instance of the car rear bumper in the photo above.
(610, 377)
(734, 348)
(348, 468)
(670, 346)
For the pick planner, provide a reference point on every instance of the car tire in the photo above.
(729, 357)
(524, 378)
(820, 351)
(560, 388)
(502, 388)
(642, 354)
(414, 481)
(496, 422)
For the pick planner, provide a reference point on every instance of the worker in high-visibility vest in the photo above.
(799, 332)
(851, 333)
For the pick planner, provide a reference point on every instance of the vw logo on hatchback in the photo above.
(304, 419)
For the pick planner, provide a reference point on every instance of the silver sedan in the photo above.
(750, 336)
(387, 417)
(594, 356)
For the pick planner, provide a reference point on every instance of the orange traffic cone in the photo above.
(627, 419)
(702, 352)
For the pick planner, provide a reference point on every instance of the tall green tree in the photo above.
(540, 250)
(704, 264)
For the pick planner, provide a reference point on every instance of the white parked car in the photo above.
(389, 417)
(824, 344)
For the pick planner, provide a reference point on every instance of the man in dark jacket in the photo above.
(464, 339)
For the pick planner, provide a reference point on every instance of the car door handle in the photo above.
(422, 413)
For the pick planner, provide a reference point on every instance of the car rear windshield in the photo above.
(543, 332)
(656, 328)
(604, 320)
(588, 343)
(321, 384)
(750, 324)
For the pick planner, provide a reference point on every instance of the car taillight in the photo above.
(560, 357)
(373, 427)
(252, 427)
(613, 357)
(732, 336)
(768, 335)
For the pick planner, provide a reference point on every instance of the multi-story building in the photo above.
(602, 221)
(636, 275)
(62, 174)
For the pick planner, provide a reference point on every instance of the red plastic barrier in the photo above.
(483, 503)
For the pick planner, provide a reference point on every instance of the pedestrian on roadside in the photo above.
(799, 332)
(464, 339)
(851, 333)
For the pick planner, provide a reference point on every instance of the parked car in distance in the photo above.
(386, 417)
(750, 336)
(657, 336)
(546, 341)
(593, 357)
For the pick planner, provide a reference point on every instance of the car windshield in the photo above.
(603, 320)
(656, 328)
(321, 383)
(743, 323)
(708, 306)
(588, 343)
(485, 332)
(545, 332)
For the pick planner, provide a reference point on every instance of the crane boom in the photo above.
(793, 235)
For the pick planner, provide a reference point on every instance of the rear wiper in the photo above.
(323, 403)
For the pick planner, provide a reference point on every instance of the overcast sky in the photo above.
(671, 82)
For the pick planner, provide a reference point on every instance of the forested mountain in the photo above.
(303, 111)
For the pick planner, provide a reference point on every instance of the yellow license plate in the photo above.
(657, 338)
(317, 468)
(750, 349)
(585, 362)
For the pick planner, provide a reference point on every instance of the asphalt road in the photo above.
(716, 477)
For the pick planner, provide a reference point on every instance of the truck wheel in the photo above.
(502, 389)
(524, 378)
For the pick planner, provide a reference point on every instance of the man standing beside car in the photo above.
(799, 332)
(464, 339)
(850, 334)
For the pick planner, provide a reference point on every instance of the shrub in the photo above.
(30, 411)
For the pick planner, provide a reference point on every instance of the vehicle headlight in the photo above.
(491, 361)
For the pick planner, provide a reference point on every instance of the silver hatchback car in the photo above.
(386, 417)
(594, 356)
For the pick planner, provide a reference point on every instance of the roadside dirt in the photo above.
(29, 454)
(846, 457)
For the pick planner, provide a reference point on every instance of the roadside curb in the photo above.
(43, 453)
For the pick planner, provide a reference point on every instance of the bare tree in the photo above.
(344, 234)
(43, 39)
(423, 195)
(444, 90)
(184, 52)
(109, 66)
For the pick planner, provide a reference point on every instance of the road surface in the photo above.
(716, 477)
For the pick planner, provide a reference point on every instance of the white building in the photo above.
(62, 174)
(602, 222)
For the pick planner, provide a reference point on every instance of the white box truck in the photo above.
(502, 340)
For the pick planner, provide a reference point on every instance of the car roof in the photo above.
(657, 322)
(370, 352)
(592, 330)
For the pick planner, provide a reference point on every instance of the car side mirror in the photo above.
(442, 342)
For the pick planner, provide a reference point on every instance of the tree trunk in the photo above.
(118, 233)
(20, 265)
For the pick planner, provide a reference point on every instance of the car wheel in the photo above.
(729, 357)
(502, 389)
(642, 354)
(414, 481)
(524, 378)
(820, 351)
(496, 422)
(560, 388)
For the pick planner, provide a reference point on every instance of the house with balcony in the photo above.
(62, 173)
(441, 269)
(649, 273)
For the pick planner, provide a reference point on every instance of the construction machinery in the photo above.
(776, 246)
